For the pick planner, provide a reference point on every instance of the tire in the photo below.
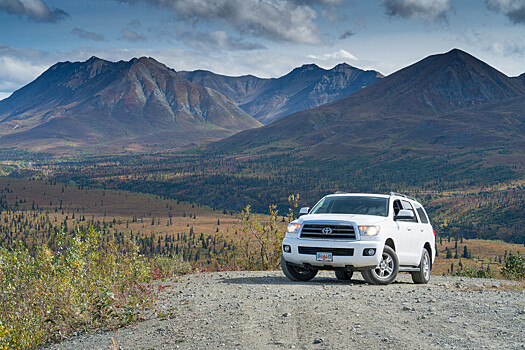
(423, 275)
(344, 275)
(297, 274)
(387, 270)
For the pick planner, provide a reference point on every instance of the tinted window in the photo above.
(352, 205)
(422, 215)
(397, 206)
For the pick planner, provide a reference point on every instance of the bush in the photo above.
(514, 266)
(258, 246)
(82, 285)
(479, 272)
(166, 266)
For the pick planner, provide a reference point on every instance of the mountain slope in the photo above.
(520, 79)
(305, 87)
(419, 100)
(97, 103)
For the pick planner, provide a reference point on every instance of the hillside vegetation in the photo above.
(464, 195)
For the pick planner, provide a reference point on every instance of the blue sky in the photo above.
(267, 38)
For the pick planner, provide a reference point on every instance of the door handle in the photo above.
(409, 229)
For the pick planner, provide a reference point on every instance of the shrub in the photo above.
(258, 246)
(479, 272)
(166, 266)
(514, 266)
(82, 285)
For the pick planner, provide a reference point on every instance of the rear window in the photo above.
(422, 215)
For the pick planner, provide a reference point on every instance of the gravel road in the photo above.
(264, 310)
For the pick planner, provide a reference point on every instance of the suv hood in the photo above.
(342, 218)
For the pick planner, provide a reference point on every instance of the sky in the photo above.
(266, 38)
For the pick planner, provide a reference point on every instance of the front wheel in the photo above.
(295, 273)
(386, 271)
(423, 275)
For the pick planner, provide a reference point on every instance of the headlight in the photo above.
(370, 230)
(293, 227)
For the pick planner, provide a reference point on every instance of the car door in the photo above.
(425, 229)
(401, 236)
(407, 235)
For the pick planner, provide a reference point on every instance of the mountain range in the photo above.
(142, 105)
(439, 105)
(443, 103)
(268, 100)
(136, 105)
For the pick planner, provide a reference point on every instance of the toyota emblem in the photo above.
(327, 231)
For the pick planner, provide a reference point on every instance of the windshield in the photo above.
(363, 205)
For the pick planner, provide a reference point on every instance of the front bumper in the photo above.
(357, 261)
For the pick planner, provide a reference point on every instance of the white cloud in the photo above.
(513, 9)
(19, 67)
(87, 35)
(338, 55)
(35, 10)
(217, 40)
(430, 10)
(131, 36)
(277, 20)
(4, 95)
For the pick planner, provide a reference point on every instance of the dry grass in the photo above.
(484, 253)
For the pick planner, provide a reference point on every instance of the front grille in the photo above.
(334, 251)
(338, 231)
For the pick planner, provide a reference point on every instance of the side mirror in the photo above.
(304, 211)
(404, 215)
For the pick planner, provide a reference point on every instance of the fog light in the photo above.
(287, 249)
(369, 252)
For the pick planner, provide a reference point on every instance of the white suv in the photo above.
(378, 235)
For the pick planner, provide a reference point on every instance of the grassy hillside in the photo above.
(480, 254)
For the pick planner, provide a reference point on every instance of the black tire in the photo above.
(344, 275)
(296, 274)
(423, 275)
(387, 270)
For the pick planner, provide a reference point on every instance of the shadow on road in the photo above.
(282, 280)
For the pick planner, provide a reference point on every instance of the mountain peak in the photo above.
(455, 55)
(307, 67)
(94, 58)
(344, 65)
(456, 51)
(147, 59)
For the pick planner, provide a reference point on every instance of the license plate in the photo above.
(324, 256)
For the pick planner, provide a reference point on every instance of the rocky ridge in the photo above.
(305, 87)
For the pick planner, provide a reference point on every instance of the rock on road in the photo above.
(264, 310)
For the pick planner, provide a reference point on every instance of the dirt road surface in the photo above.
(264, 310)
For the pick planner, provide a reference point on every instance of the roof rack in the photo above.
(401, 195)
